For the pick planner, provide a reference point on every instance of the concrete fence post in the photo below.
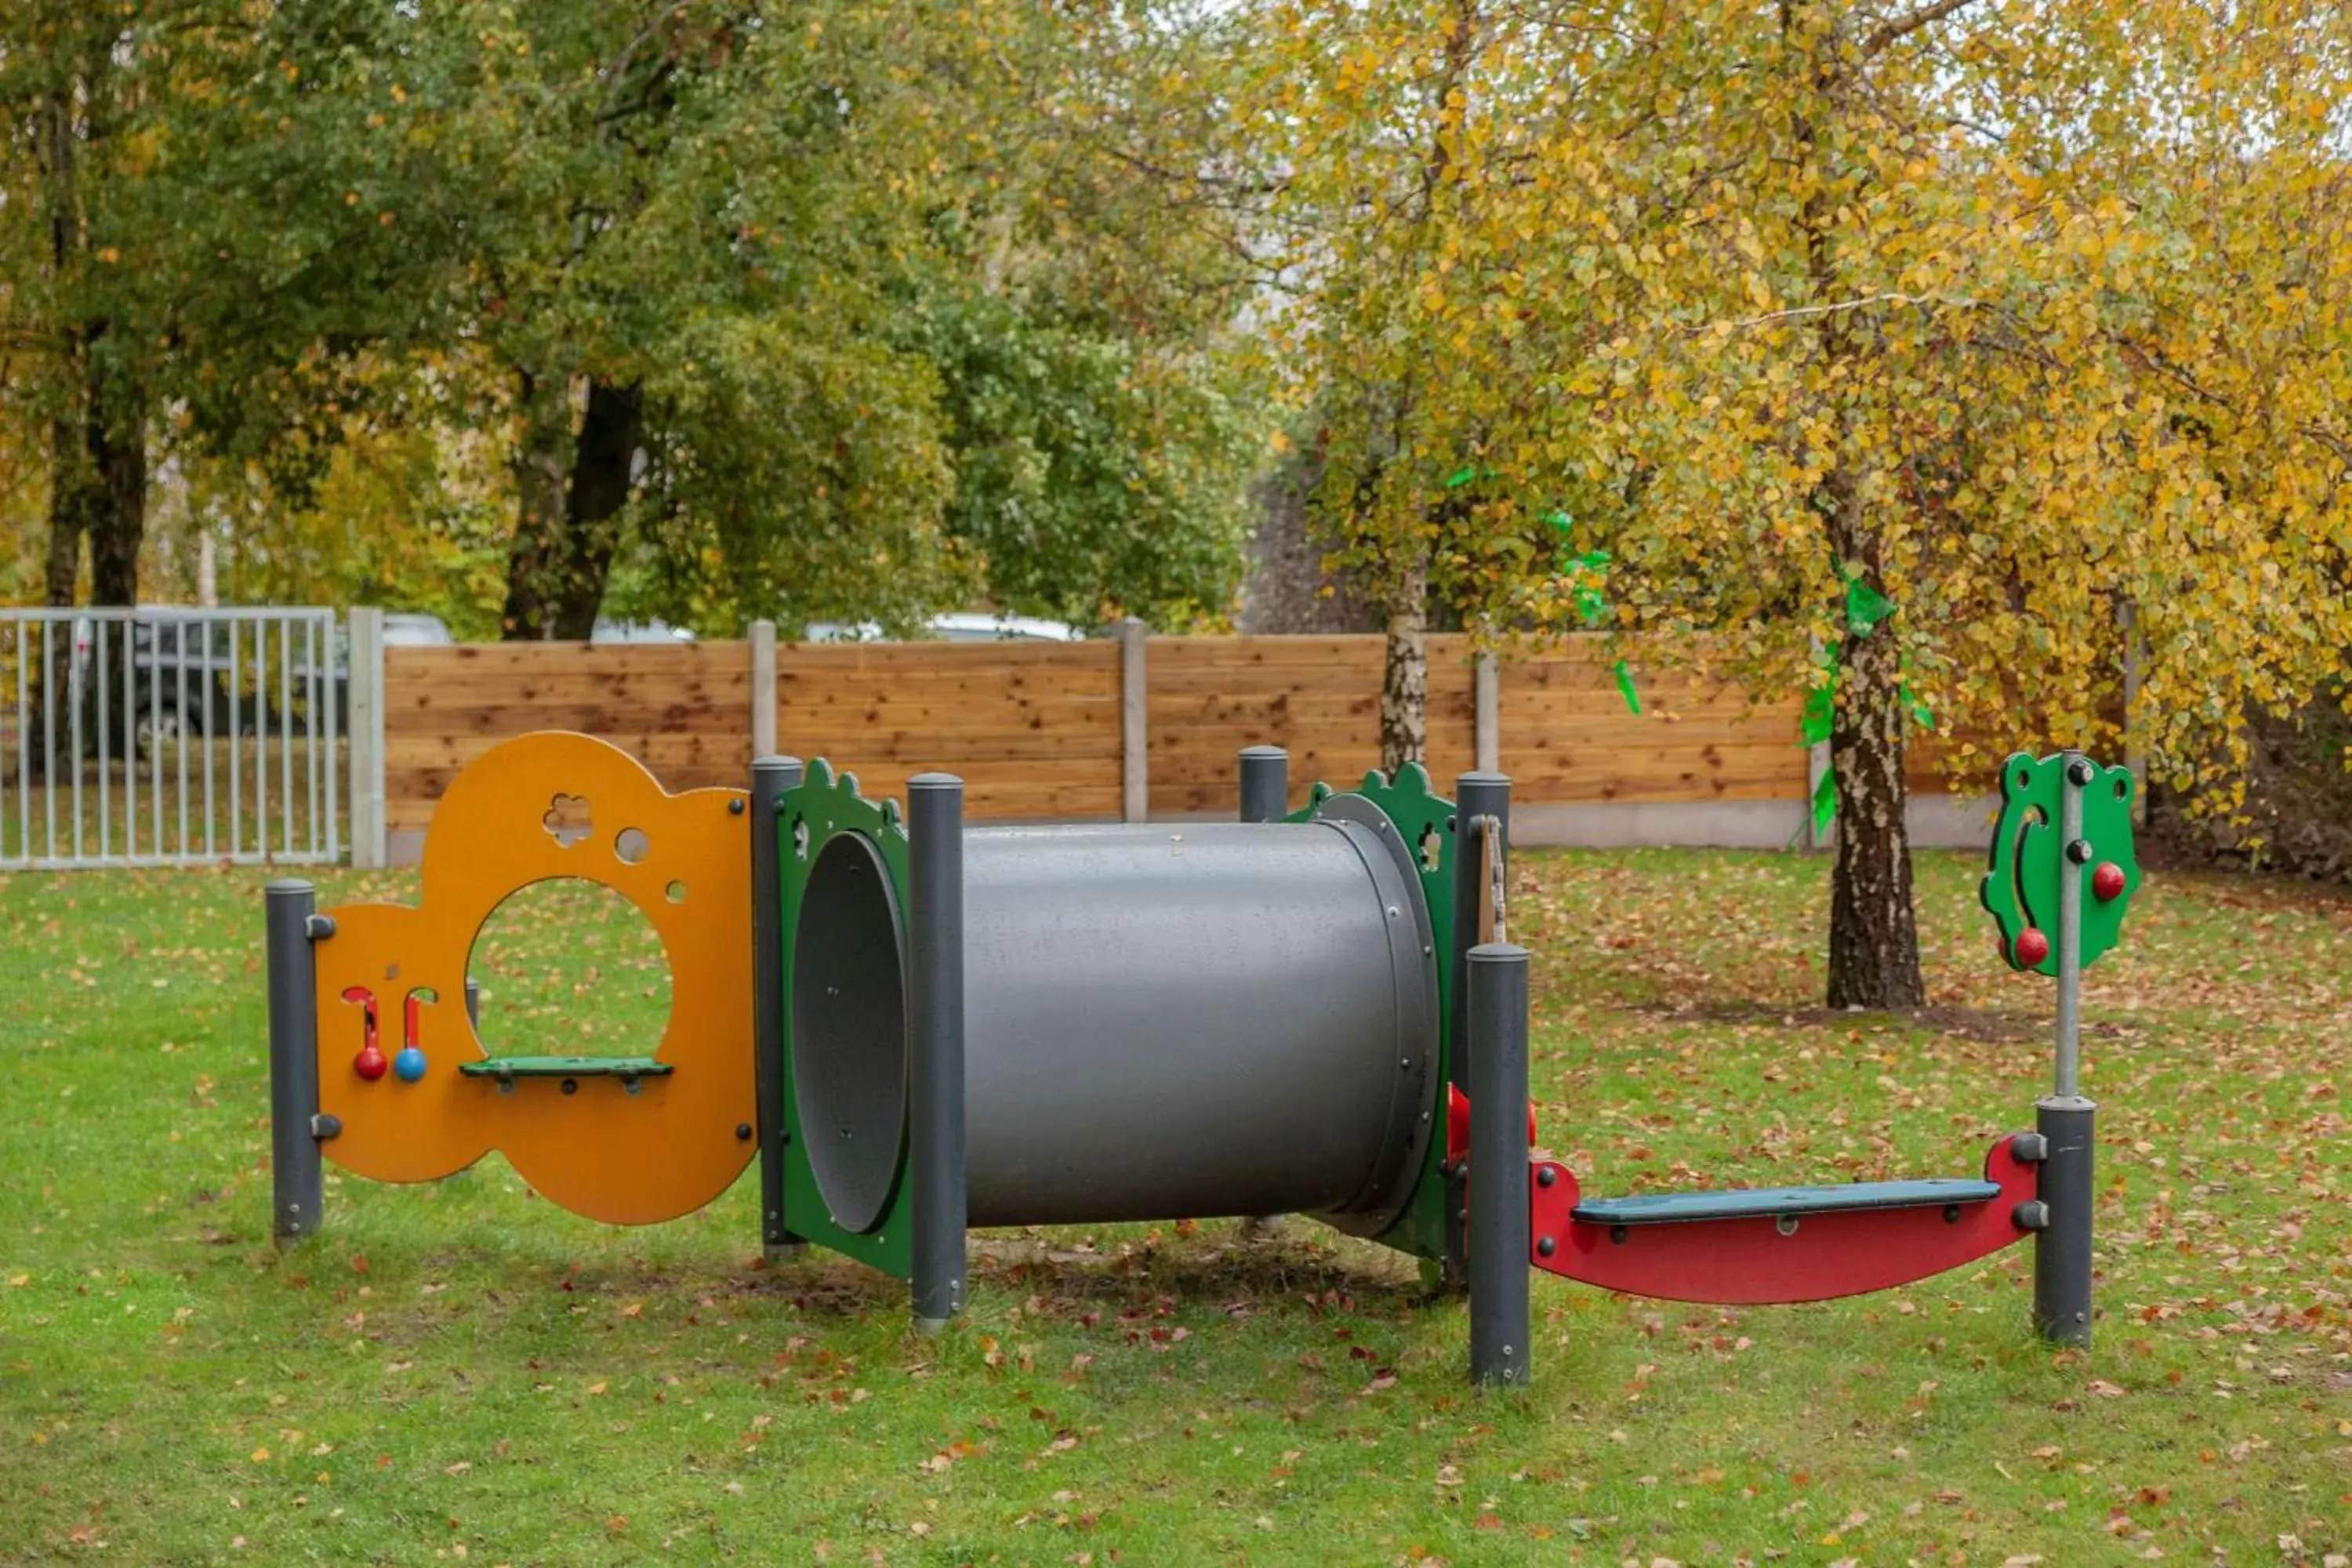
(1487, 715)
(1134, 723)
(1817, 768)
(367, 705)
(763, 688)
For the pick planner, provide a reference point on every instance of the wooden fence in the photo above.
(1100, 730)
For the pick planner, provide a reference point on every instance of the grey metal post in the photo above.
(2061, 1249)
(1477, 793)
(771, 777)
(935, 922)
(296, 1183)
(1499, 1318)
(2067, 1121)
(474, 1005)
(2074, 854)
(1265, 783)
(1264, 797)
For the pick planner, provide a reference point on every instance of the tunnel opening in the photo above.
(849, 1030)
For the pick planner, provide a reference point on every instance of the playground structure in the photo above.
(920, 1028)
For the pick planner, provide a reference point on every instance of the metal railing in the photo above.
(171, 736)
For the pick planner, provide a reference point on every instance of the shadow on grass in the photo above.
(1982, 1025)
(1240, 1271)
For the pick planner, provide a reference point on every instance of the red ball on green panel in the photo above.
(2032, 947)
(2107, 882)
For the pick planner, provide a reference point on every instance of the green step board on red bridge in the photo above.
(1770, 1202)
(507, 1069)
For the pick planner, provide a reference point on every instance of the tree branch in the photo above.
(1795, 312)
(1910, 22)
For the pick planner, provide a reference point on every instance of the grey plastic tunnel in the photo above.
(1161, 1022)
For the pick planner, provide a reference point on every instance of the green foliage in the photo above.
(1095, 476)
(410, 228)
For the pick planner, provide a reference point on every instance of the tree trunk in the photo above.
(70, 488)
(1404, 674)
(568, 519)
(117, 454)
(97, 487)
(1874, 935)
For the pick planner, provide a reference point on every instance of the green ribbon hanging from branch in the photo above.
(1589, 572)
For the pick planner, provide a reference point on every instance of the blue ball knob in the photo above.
(409, 1064)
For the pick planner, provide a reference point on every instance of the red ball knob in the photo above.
(2030, 948)
(370, 1064)
(2107, 882)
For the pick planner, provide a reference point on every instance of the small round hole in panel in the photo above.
(676, 892)
(631, 845)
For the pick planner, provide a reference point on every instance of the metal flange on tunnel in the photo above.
(1070, 1025)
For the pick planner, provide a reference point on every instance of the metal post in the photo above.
(1134, 723)
(2061, 1249)
(1264, 797)
(474, 1005)
(296, 1183)
(1499, 1318)
(1265, 783)
(1476, 795)
(2067, 1121)
(2074, 856)
(935, 922)
(771, 777)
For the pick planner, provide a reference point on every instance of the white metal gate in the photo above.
(171, 736)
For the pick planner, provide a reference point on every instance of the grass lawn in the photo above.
(462, 1372)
